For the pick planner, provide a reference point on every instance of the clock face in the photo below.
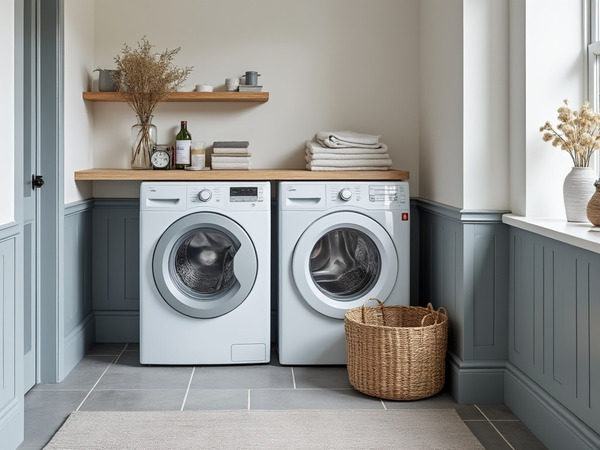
(160, 159)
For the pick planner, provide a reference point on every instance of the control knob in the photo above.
(345, 194)
(204, 195)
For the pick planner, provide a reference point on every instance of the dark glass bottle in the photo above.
(183, 140)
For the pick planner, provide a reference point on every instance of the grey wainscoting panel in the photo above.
(116, 269)
(11, 341)
(79, 332)
(463, 266)
(554, 337)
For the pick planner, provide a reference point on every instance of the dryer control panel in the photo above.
(370, 195)
(374, 195)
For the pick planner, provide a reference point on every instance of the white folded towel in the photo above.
(316, 147)
(346, 156)
(228, 158)
(350, 163)
(327, 168)
(230, 150)
(230, 165)
(341, 139)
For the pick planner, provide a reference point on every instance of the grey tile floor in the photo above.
(110, 378)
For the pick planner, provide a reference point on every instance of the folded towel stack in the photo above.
(231, 155)
(346, 150)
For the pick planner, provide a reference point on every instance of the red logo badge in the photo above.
(404, 216)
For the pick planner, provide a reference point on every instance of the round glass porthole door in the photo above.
(204, 265)
(341, 260)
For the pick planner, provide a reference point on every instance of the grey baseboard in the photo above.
(549, 420)
(78, 341)
(117, 326)
(475, 381)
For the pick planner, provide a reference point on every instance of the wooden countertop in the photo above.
(237, 175)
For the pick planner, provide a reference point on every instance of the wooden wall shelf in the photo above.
(257, 97)
(237, 175)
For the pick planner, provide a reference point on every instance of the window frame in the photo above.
(592, 72)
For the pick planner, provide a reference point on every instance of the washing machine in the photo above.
(340, 243)
(205, 273)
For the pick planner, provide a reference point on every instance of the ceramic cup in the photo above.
(232, 84)
(106, 81)
(204, 88)
(252, 78)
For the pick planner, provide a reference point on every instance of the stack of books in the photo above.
(250, 88)
(231, 155)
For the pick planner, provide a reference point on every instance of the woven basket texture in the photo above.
(396, 352)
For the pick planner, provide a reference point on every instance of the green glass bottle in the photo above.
(183, 140)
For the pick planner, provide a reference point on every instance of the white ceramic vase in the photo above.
(578, 188)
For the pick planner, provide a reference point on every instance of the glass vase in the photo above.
(143, 138)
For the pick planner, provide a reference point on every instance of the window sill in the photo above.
(576, 234)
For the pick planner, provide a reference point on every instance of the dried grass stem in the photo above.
(578, 133)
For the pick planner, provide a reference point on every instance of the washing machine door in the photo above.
(204, 265)
(341, 260)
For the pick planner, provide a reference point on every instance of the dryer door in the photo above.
(343, 259)
(204, 265)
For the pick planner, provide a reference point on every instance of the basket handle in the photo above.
(364, 307)
(440, 310)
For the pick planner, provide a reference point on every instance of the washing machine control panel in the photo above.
(245, 194)
(369, 195)
(237, 197)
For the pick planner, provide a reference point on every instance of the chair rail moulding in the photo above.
(239, 175)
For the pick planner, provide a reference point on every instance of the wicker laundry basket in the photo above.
(396, 352)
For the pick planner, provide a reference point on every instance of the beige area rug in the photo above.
(298, 429)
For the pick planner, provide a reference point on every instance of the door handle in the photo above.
(37, 181)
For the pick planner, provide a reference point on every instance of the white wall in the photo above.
(554, 70)
(547, 65)
(485, 124)
(7, 114)
(517, 102)
(441, 101)
(464, 126)
(457, 88)
(79, 58)
(339, 64)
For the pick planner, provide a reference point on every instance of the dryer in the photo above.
(205, 273)
(340, 243)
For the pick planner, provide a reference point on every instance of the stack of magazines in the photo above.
(231, 155)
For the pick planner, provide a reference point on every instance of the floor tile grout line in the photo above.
(114, 361)
(494, 427)
(187, 391)
(248, 399)
(293, 378)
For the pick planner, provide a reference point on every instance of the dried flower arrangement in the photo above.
(145, 79)
(578, 133)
